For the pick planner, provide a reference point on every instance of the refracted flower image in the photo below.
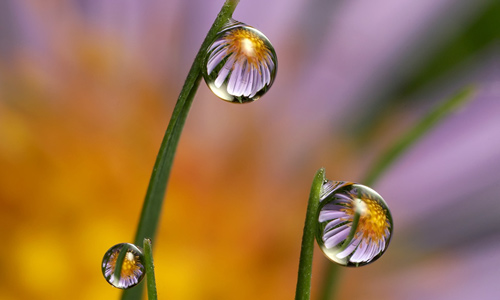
(241, 64)
(354, 223)
(132, 270)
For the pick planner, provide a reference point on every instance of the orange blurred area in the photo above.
(78, 141)
(86, 92)
(75, 160)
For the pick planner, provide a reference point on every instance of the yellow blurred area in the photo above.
(78, 141)
(86, 92)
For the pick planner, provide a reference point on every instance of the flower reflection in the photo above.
(241, 63)
(355, 223)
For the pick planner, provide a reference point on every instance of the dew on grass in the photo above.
(354, 223)
(132, 265)
(240, 64)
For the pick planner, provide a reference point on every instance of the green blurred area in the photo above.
(481, 33)
(479, 36)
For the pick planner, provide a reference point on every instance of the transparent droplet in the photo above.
(240, 64)
(132, 270)
(354, 223)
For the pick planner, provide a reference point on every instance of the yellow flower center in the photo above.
(372, 220)
(129, 266)
(248, 44)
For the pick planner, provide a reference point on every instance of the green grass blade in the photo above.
(150, 272)
(412, 136)
(303, 289)
(153, 201)
(387, 159)
(117, 274)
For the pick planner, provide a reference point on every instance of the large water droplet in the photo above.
(354, 223)
(132, 270)
(241, 64)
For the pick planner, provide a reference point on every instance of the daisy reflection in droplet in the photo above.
(355, 225)
(241, 64)
(132, 270)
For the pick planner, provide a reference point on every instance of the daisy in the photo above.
(355, 223)
(241, 63)
(132, 270)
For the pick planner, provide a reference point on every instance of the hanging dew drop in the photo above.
(132, 265)
(240, 64)
(354, 223)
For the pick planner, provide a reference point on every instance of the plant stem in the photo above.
(150, 270)
(388, 158)
(330, 281)
(352, 232)
(119, 264)
(414, 134)
(303, 290)
(153, 201)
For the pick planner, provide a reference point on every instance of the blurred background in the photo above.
(86, 91)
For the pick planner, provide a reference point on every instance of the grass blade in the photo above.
(153, 202)
(303, 289)
(150, 272)
(387, 159)
(414, 134)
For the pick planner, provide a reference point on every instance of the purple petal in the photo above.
(224, 71)
(347, 251)
(217, 43)
(238, 77)
(369, 252)
(330, 215)
(333, 223)
(335, 236)
(268, 73)
(269, 60)
(265, 74)
(343, 197)
(333, 206)
(255, 82)
(249, 85)
(234, 77)
(359, 252)
(215, 60)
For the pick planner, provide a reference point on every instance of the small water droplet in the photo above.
(132, 270)
(240, 64)
(354, 223)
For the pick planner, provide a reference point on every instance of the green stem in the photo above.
(150, 270)
(153, 201)
(303, 290)
(119, 264)
(354, 226)
(388, 158)
(330, 281)
(414, 134)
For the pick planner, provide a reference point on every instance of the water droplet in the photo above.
(241, 64)
(132, 270)
(354, 223)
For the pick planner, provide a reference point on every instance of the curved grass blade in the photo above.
(303, 289)
(153, 201)
(414, 134)
(150, 272)
(387, 159)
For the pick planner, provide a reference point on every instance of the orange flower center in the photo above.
(129, 266)
(372, 220)
(248, 44)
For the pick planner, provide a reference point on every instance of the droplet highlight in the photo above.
(240, 64)
(354, 223)
(132, 266)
